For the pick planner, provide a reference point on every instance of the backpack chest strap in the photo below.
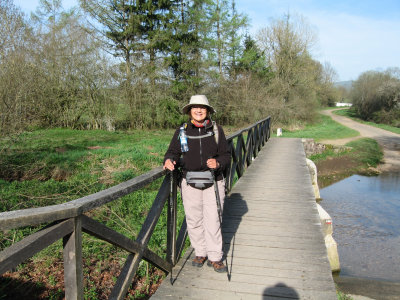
(194, 137)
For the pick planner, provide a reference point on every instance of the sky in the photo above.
(352, 36)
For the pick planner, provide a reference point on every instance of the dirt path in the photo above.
(390, 142)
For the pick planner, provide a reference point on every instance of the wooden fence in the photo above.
(67, 221)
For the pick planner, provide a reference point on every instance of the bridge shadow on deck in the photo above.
(235, 208)
(174, 275)
(280, 290)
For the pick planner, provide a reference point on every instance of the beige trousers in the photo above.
(202, 219)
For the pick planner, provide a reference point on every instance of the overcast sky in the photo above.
(353, 36)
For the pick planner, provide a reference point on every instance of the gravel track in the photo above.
(389, 141)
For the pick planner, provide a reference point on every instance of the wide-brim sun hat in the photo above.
(198, 100)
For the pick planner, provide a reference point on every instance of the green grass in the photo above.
(342, 296)
(47, 167)
(365, 152)
(328, 108)
(351, 114)
(324, 128)
(53, 166)
(330, 151)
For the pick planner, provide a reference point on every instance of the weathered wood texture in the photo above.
(273, 238)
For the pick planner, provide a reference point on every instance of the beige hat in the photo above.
(198, 100)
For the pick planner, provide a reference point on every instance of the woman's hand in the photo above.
(169, 164)
(212, 163)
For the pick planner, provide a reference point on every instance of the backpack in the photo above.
(214, 133)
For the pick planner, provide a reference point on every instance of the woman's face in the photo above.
(198, 113)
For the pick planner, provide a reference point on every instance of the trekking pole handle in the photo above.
(216, 163)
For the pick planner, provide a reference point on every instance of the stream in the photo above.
(366, 225)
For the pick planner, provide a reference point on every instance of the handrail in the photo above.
(68, 220)
(74, 208)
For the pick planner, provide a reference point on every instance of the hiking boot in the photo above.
(199, 261)
(218, 266)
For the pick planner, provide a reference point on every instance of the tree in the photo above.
(287, 43)
(12, 28)
(132, 29)
(70, 77)
(136, 33)
(376, 93)
(186, 45)
(219, 16)
(225, 37)
(293, 86)
(238, 23)
(253, 60)
(327, 94)
(15, 69)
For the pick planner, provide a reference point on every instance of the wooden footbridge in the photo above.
(272, 232)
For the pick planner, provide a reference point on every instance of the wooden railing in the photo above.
(67, 221)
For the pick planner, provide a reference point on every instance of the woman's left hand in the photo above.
(212, 163)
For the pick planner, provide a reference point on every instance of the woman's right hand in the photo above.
(169, 164)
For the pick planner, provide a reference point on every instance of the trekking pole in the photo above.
(171, 222)
(218, 200)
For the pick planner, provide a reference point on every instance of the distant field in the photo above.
(324, 128)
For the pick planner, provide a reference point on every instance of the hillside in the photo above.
(346, 84)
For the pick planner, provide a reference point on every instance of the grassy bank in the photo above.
(357, 157)
(54, 166)
(342, 296)
(324, 128)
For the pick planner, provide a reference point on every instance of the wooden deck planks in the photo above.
(274, 243)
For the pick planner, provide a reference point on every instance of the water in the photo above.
(366, 225)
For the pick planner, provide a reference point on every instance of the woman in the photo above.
(208, 149)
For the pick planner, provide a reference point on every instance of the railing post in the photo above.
(254, 152)
(264, 132)
(249, 146)
(73, 271)
(171, 220)
(239, 155)
(228, 171)
(260, 136)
